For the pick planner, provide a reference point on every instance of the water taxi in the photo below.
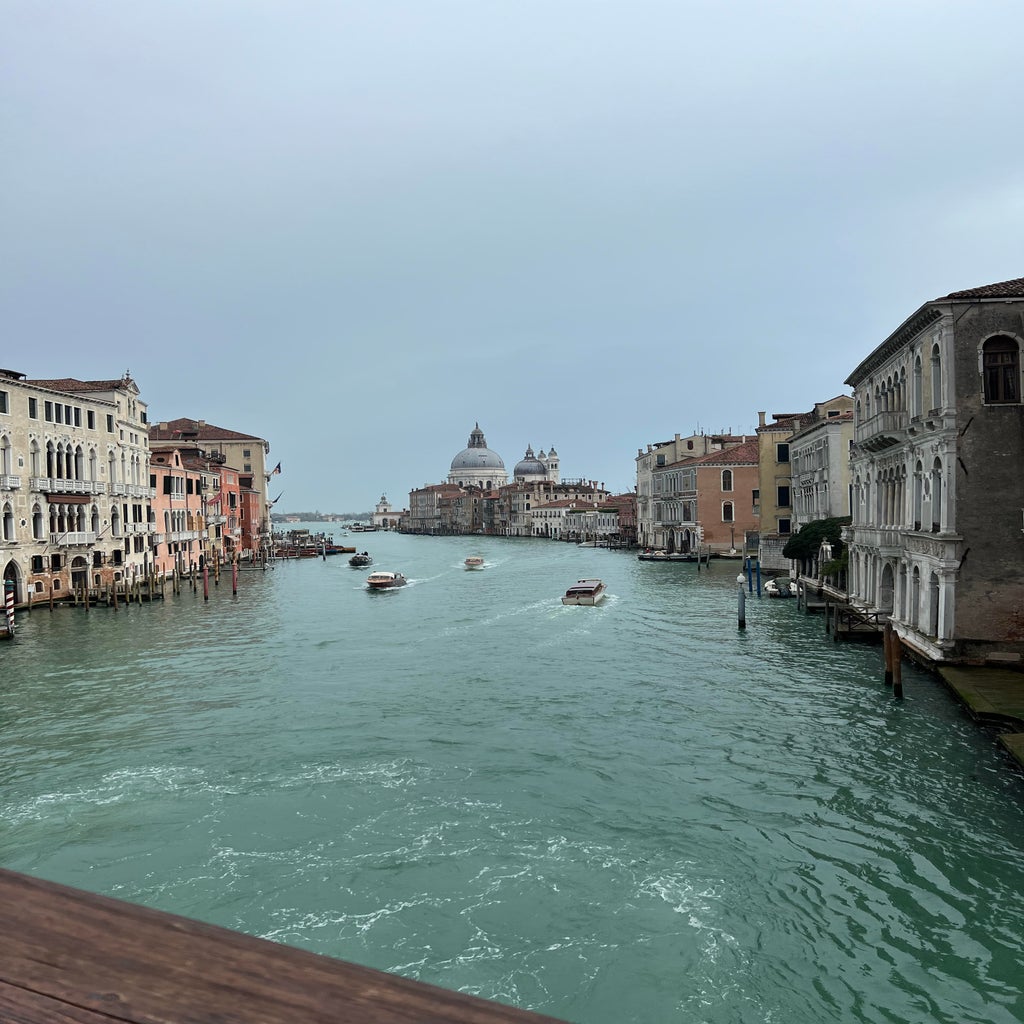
(385, 580)
(474, 562)
(584, 592)
(362, 558)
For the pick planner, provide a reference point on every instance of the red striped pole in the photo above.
(9, 604)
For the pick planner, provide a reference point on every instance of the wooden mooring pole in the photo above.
(887, 635)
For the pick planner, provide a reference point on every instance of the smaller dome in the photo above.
(529, 466)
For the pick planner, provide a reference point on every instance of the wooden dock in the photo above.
(73, 957)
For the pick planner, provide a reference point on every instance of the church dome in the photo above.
(477, 455)
(529, 466)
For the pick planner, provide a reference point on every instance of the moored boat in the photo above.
(474, 562)
(588, 592)
(383, 580)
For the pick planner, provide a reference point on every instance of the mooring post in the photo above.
(234, 576)
(757, 566)
(887, 651)
(206, 582)
(897, 666)
(742, 599)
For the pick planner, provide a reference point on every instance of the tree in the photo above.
(805, 544)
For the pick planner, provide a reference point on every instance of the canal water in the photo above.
(633, 812)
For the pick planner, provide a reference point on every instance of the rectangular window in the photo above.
(48, 412)
(782, 453)
(784, 526)
(783, 498)
(3, 402)
(78, 416)
(68, 415)
(110, 423)
(37, 563)
(90, 419)
(246, 453)
(33, 408)
(58, 413)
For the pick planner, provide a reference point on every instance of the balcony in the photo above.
(73, 540)
(9, 483)
(55, 485)
(883, 430)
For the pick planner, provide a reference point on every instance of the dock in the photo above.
(72, 956)
(994, 696)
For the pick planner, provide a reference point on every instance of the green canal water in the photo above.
(625, 813)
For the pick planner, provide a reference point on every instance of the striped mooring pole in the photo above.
(9, 604)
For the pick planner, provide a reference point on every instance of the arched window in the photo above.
(918, 399)
(5, 455)
(918, 494)
(936, 378)
(38, 526)
(33, 458)
(1000, 360)
(727, 516)
(8, 521)
(726, 479)
(936, 495)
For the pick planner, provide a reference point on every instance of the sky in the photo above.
(356, 229)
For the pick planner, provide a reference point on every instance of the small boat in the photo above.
(667, 556)
(361, 559)
(779, 588)
(474, 562)
(385, 580)
(584, 592)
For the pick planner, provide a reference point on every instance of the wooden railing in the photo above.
(68, 955)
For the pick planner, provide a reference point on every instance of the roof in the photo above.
(1001, 290)
(74, 386)
(175, 430)
(745, 454)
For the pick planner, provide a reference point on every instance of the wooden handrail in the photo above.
(72, 956)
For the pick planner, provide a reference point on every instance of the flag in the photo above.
(276, 500)
(274, 471)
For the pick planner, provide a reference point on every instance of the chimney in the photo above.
(760, 419)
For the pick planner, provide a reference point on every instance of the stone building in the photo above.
(75, 494)
(938, 477)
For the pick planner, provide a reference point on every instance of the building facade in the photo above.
(937, 539)
(247, 455)
(75, 495)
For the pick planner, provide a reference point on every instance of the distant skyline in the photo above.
(357, 229)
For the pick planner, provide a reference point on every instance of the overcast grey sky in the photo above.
(357, 228)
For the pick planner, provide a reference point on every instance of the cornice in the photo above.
(908, 330)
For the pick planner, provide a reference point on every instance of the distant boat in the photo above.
(361, 559)
(474, 562)
(587, 592)
(385, 580)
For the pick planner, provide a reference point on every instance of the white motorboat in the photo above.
(385, 580)
(474, 562)
(588, 592)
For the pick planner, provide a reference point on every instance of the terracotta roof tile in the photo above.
(175, 430)
(1000, 290)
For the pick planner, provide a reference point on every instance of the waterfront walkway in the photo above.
(68, 955)
(994, 696)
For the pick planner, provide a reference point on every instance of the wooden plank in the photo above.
(76, 957)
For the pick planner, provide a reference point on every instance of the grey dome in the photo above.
(529, 465)
(477, 455)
